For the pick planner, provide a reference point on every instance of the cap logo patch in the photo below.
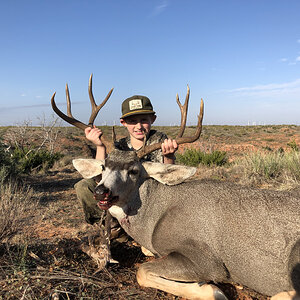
(135, 104)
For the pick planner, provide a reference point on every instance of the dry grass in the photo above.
(280, 170)
(16, 206)
(62, 271)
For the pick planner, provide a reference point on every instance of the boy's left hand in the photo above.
(169, 147)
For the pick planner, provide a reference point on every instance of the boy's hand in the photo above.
(94, 135)
(169, 147)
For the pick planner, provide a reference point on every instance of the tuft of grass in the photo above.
(292, 164)
(16, 206)
(194, 157)
(293, 145)
(264, 166)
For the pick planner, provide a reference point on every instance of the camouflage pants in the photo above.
(85, 193)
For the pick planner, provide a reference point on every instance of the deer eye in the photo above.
(133, 172)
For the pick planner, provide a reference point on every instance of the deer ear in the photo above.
(168, 174)
(88, 168)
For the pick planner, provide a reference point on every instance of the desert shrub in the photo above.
(293, 145)
(29, 148)
(7, 165)
(194, 157)
(28, 160)
(16, 206)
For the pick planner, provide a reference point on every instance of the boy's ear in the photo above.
(153, 118)
(167, 173)
(122, 121)
(88, 168)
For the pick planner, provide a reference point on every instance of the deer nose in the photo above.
(101, 190)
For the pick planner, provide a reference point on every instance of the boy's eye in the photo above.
(132, 122)
(135, 121)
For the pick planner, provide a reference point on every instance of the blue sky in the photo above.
(242, 57)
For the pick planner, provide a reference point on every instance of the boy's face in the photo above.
(138, 125)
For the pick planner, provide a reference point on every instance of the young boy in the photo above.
(137, 117)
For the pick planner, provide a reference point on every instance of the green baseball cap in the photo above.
(136, 105)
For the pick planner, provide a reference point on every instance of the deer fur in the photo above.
(202, 231)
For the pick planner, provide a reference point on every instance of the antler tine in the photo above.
(68, 102)
(68, 119)
(96, 108)
(114, 137)
(181, 140)
(184, 110)
(191, 139)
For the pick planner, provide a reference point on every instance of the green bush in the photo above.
(28, 160)
(194, 157)
(7, 165)
(25, 160)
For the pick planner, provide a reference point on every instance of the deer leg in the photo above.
(146, 252)
(291, 295)
(174, 274)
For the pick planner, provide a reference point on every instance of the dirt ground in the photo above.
(44, 261)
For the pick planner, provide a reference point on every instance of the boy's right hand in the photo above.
(94, 135)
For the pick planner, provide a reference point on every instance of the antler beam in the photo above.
(95, 108)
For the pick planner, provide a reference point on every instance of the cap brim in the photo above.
(138, 112)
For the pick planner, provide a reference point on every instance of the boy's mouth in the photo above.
(140, 132)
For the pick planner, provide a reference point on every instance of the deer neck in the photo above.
(134, 217)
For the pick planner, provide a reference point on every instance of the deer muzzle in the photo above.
(104, 197)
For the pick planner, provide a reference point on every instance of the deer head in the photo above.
(123, 173)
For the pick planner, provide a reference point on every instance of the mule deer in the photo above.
(203, 231)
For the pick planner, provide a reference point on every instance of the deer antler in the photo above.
(183, 110)
(69, 118)
(179, 139)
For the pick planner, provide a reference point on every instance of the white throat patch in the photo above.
(117, 212)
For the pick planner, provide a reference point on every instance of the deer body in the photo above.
(248, 240)
(206, 230)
